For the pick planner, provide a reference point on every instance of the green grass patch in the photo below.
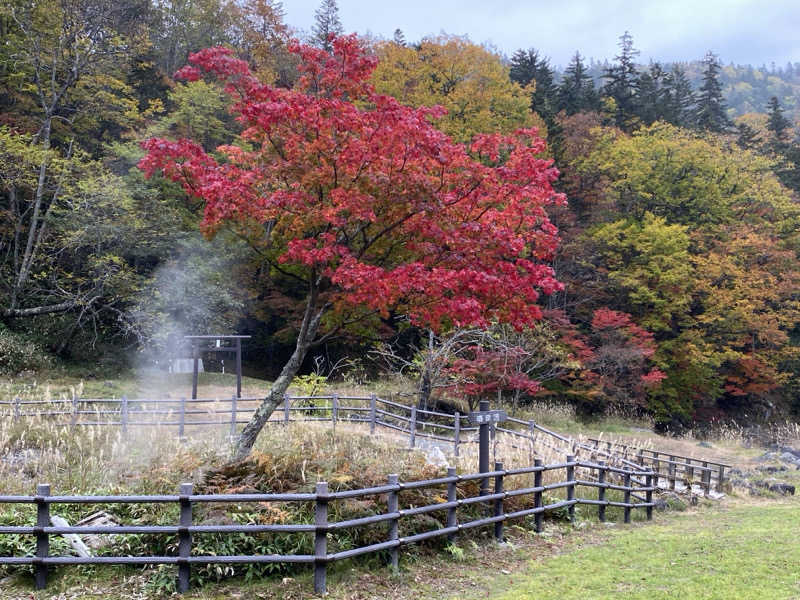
(741, 552)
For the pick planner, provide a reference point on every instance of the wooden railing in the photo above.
(672, 468)
(637, 489)
(408, 420)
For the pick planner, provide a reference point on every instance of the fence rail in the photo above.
(572, 475)
(670, 470)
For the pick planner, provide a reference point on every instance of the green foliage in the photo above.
(689, 180)
(310, 384)
(18, 353)
(199, 113)
(647, 262)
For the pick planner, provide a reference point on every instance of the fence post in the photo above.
(321, 537)
(673, 472)
(721, 477)
(392, 501)
(641, 458)
(234, 415)
(452, 491)
(182, 419)
(706, 480)
(42, 539)
(456, 432)
(16, 408)
(601, 491)
(124, 414)
(656, 467)
(286, 409)
(531, 438)
(184, 538)
(483, 449)
(74, 418)
(372, 413)
(537, 495)
(689, 473)
(649, 497)
(498, 502)
(412, 428)
(627, 497)
(571, 488)
(335, 411)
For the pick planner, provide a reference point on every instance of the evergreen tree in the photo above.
(679, 98)
(399, 38)
(777, 123)
(747, 138)
(326, 24)
(651, 105)
(528, 67)
(711, 112)
(576, 92)
(787, 154)
(622, 83)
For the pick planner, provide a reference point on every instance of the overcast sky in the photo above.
(739, 31)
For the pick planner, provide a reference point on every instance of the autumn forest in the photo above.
(619, 236)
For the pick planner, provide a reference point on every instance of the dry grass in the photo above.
(99, 458)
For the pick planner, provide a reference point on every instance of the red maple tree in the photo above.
(367, 205)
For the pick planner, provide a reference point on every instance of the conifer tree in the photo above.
(679, 98)
(326, 24)
(651, 105)
(528, 67)
(711, 112)
(777, 123)
(576, 92)
(623, 82)
(399, 37)
(747, 138)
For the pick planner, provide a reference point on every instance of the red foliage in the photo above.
(487, 372)
(368, 200)
(751, 377)
(606, 321)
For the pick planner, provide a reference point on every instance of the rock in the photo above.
(433, 453)
(74, 540)
(757, 487)
(705, 444)
(781, 487)
(790, 450)
(767, 456)
(670, 501)
(789, 457)
(771, 469)
(98, 519)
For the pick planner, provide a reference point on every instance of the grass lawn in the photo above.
(741, 551)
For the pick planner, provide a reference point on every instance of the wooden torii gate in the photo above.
(217, 343)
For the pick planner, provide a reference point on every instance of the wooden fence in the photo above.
(636, 486)
(453, 430)
(674, 468)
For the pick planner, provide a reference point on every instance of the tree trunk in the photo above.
(308, 331)
(424, 388)
(426, 377)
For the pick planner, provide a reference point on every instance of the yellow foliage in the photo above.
(471, 82)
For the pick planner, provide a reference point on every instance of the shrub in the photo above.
(18, 353)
